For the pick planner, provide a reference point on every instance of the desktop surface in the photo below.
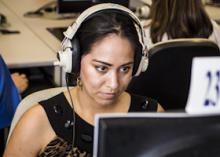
(157, 135)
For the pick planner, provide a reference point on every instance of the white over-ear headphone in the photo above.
(65, 55)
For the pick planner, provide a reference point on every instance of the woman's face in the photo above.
(107, 69)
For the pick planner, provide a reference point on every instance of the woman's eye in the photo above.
(101, 68)
(124, 69)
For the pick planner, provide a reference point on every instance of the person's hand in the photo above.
(21, 81)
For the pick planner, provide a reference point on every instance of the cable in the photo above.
(73, 112)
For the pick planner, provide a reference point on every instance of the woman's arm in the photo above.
(30, 135)
(20, 81)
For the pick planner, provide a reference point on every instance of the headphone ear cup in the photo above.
(65, 60)
(142, 67)
(76, 56)
(137, 61)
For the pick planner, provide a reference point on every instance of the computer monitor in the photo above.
(72, 6)
(121, 2)
(77, 6)
(157, 135)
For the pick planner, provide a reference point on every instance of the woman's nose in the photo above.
(113, 81)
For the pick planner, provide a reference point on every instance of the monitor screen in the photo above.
(76, 6)
(157, 135)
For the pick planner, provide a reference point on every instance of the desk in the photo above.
(24, 49)
(38, 25)
(39, 52)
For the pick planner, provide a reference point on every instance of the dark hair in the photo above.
(103, 23)
(179, 19)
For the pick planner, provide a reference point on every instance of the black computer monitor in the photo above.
(72, 6)
(157, 135)
(121, 2)
(77, 6)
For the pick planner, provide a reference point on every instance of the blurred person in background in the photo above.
(171, 19)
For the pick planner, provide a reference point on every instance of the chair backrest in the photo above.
(167, 78)
(32, 100)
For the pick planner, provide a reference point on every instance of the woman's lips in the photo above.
(107, 95)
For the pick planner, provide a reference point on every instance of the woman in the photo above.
(109, 45)
(170, 19)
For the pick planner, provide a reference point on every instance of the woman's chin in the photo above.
(104, 102)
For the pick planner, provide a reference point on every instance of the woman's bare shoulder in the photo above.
(30, 134)
(33, 118)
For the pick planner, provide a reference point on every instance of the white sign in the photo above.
(204, 94)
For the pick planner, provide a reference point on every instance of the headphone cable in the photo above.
(73, 113)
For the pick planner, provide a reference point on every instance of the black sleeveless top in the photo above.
(60, 116)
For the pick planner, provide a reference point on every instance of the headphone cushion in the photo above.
(137, 60)
(76, 56)
(145, 64)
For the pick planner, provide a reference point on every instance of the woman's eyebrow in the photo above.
(108, 64)
(127, 63)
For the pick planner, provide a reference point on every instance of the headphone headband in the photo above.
(71, 31)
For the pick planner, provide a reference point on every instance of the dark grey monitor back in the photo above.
(77, 6)
(158, 135)
(72, 6)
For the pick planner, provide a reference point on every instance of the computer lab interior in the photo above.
(31, 32)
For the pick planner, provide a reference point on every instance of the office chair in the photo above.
(32, 100)
(167, 78)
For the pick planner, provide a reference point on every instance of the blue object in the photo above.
(9, 96)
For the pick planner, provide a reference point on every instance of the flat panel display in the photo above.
(157, 135)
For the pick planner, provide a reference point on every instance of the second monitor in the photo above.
(76, 6)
